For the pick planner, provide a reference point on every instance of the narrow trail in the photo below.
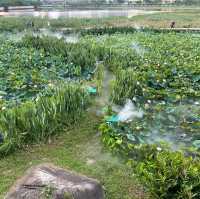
(102, 100)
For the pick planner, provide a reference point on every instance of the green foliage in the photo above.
(161, 76)
(40, 63)
(99, 74)
(36, 121)
(154, 70)
(164, 173)
(110, 138)
(156, 53)
(80, 54)
(127, 85)
(170, 175)
(19, 2)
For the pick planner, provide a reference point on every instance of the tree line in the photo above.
(5, 3)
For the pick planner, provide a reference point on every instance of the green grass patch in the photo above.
(78, 149)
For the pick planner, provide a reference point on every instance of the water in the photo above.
(77, 13)
(69, 38)
(176, 126)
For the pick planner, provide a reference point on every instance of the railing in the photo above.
(103, 6)
(18, 8)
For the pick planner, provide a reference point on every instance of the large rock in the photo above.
(48, 181)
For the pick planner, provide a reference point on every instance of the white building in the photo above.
(168, 1)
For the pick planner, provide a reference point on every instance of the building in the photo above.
(135, 1)
(52, 2)
(85, 1)
(168, 1)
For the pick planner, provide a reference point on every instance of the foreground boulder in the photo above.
(48, 181)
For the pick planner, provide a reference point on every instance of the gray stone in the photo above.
(47, 181)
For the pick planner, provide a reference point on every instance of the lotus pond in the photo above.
(27, 71)
(160, 76)
(152, 114)
(153, 120)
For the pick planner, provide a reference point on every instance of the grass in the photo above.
(78, 149)
(183, 18)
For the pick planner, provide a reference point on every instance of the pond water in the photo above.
(77, 13)
(69, 38)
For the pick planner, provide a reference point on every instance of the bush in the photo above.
(170, 175)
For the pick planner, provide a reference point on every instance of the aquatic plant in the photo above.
(162, 146)
(31, 66)
(80, 54)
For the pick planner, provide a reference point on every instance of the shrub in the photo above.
(170, 175)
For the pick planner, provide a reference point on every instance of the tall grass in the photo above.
(126, 85)
(36, 121)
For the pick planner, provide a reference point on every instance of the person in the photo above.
(172, 25)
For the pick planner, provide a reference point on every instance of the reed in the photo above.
(35, 121)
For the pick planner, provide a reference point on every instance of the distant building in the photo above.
(135, 1)
(168, 1)
(86, 1)
(52, 1)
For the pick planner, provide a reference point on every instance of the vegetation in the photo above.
(183, 17)
(163, 172)
(43, 90)
(7, 3)
(40, 63)
(33, 122)
(170, 174)
(164, 87)
(74, 149)
(152, 69)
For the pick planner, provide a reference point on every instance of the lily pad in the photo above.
(2, 93)
(196, 144)
(131, 137)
